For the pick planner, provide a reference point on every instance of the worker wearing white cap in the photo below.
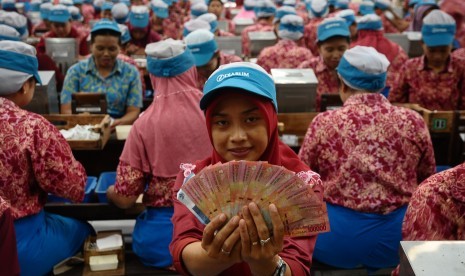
(286, 53)
(36, 160)
(368, 177)
(120, 13)
(265, 11)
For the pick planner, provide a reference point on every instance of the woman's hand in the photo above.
(259, 247)
(220, 239)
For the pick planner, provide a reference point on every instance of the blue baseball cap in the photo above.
(331, 27)
(363, 68)
(240, 75)
(105, 24)
(370, 22)
(107, 6)
(168, 58)
(412, 3)
(78, 2)
(366, 7)
(59, 13)
(160, 8)
(45, 10)
(139, 16)
(438, 29)
(202, 45)
(35, 5)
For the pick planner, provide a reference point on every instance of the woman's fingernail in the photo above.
(273, 208)
(222, 217)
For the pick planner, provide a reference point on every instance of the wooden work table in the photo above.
(94, 211)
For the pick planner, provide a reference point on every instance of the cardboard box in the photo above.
(101, 122)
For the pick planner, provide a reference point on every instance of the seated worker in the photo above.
(366, 7)
(286, 53)
(35, 160)
(120, 13)
(159, 141)
(349, 16)
(434, 80)
(77, 20)
(333, 39)
(206, 54)
(140, 31)
(103, 72)
(317, 11)
(241, 119)
(280, 13)
(370, 34)
(8, 251)
(436, 209)
(105, 11)
(370, 162)
(217, 7)
(44, 25)
(456, 9)
(389, 25)
(213, 21)
(97, 4)
(265, 11)
(61, 26)
(160, 11)
(422, 9)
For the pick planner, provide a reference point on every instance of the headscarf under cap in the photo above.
(418, 15)
(174, 112)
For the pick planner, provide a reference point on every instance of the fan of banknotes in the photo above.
(227, 187)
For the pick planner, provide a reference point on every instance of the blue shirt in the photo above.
(122, 87)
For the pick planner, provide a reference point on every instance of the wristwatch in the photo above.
(280, 268)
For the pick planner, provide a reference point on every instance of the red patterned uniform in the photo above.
(285, 54)
(370, 154)
(260, 26)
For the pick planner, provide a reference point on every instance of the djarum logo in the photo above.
(221, 77)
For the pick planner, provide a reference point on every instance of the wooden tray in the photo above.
(101, 122)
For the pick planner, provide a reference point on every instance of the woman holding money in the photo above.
(241, 116)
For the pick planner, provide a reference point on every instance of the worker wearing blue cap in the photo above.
(103, 72)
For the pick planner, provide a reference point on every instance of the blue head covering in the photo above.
(438, 29)
(331, 27)
(35, 5)
(342, 4)
(107, 6)
(382, 4)
(15, 20)
(59, 13)
(211, 19)
(195, 24)
(242, 75)
(291, 27)
(105, 24)
(363, 68)
(249, 5)
(282, 11)
(9, 33)
(18, 62)
(120, 13)
(45, 10)
(264, 8)
(125, 35)
(366, 7)
(198, 9)
(168, 58)
(317, 8)
(139, 16)
(75, 13)
(370, 22)
(348, 15)
(412, 3)
(202, 45)
(160, 8)
(78, 2)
